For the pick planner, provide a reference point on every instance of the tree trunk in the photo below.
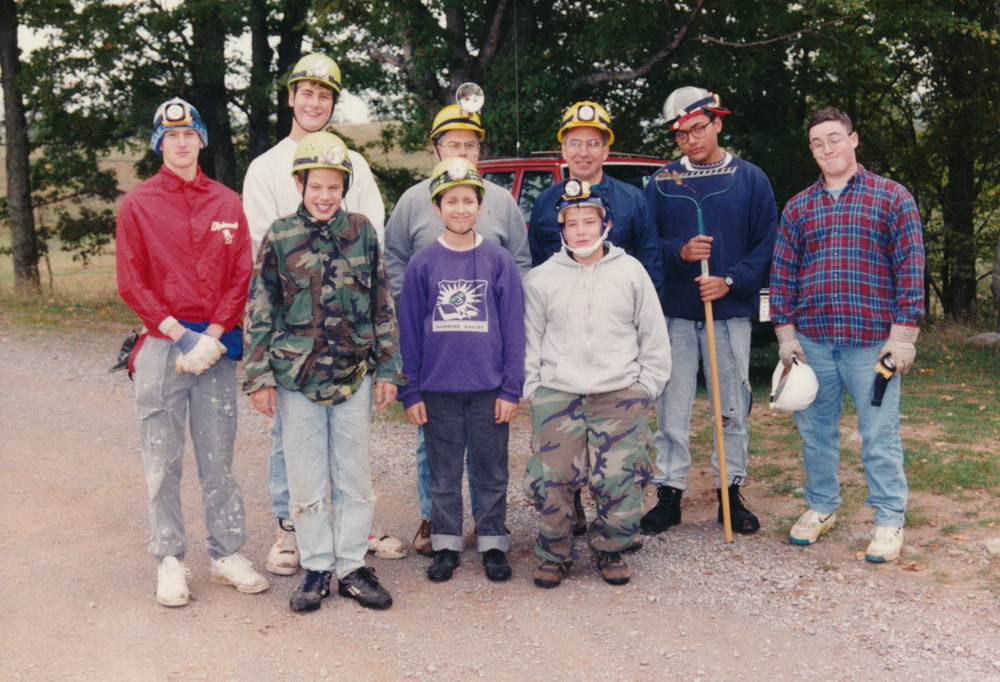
(208, 75)
(259, 98)
(291, 30)
(959, 194)
(24, 244)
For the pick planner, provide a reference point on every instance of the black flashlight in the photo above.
(885, 368)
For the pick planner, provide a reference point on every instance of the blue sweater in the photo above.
(742, 221)
(461, 322)
(632, 225)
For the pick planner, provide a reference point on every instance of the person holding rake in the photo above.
(711, 209)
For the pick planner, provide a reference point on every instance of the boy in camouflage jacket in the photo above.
(319, 322)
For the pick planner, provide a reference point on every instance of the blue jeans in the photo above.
(460, 427)
(277, 478)
(688, 345)
(328, 444)
(424, 478)
(839, 367)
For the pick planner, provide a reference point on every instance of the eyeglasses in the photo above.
(455, 147)
(833, 142)
(696, 133)
(577, 145)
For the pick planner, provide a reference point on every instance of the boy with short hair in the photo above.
(319, 323)
(461, 316)
(597, 354)
(183, 261)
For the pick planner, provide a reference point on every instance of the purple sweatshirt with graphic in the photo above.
(461, 323)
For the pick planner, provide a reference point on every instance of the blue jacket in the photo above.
(743, 221)
(632, 228)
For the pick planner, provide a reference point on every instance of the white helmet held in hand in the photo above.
(793, 388)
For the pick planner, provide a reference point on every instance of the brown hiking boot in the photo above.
(551, 573)
(613, 568)
(422, 540)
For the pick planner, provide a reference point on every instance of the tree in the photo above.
(23, 239)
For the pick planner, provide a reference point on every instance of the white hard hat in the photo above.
(793, 388)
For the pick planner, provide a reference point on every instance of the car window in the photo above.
(532, 183)
(633, 174)
(503, 178)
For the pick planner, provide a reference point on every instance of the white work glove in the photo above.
(900, 346)
(198, 353)
(788, 345)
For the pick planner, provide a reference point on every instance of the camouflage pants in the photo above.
(601, 438)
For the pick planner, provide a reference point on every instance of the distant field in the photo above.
(95, 282)
(360, 133)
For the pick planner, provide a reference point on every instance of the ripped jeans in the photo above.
(688, 345)
(328, 444)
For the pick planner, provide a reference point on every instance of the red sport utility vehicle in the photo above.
(525, 178)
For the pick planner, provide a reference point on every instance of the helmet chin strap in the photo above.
(585, 251)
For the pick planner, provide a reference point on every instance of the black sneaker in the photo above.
(313, 590)
(666, 513)
(743, 519)
(362, 586)
(581, 515)
(495, 563)
(444, 565)
(613, 568)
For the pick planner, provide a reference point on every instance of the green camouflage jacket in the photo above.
(320, 314)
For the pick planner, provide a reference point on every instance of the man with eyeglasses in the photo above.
(847, 293)
(414, 225)
(586, 138)
(740, 219)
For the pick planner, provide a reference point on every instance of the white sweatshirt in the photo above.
(269, 191)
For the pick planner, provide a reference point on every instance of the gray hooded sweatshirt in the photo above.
(594, 329)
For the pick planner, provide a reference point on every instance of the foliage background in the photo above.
(920, 79)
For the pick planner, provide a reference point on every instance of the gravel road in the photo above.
(76, 584)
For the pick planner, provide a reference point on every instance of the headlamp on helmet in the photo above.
(587, 115)
(176, 113)
(323, 149)
(687, 102)
(470, 98)
(455, 172)
(318, 68)
(578, 194)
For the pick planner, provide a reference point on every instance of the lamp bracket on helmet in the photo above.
(334, 155)
(470, 98)
(177, 114)
(575, 188)
(458, 170)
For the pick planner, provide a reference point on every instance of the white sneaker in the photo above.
(886, 545)
(171, 583)
(385, 546)
(283, 559)
(811, 526)
(237, 571)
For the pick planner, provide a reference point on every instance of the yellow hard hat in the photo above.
(453, 118)
(316, 67)
(455, 172)
(587, 115)
(322, 150)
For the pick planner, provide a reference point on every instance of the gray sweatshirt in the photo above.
(414, 225)
(594, 329)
